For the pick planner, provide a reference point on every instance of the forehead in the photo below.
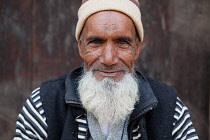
(109, 21)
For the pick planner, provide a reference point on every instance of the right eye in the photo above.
(94, 44)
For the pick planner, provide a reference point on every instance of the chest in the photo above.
(90, 129)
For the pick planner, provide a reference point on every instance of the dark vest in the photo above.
(62, 105)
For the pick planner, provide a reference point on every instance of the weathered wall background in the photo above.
(37, 43)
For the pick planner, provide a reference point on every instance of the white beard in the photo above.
(108, 100)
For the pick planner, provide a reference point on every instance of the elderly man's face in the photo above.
(109, 45)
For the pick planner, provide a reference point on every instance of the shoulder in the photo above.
(31, 122)
(53, 84)
(161, 118)
(162, 89)
(53, 91)
(182, 126)
(157, 84)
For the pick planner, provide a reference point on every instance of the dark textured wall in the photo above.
(177, 52)
(37, 43)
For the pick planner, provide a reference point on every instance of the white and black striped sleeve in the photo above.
(183, 128)
(31, 122)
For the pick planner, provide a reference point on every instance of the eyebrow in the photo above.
(123, 38)
(95, 38)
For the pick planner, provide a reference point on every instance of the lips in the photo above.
(109, 73)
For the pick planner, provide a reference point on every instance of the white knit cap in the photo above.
(125, 6)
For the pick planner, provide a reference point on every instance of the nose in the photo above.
(109, 55)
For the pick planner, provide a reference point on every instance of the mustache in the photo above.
(104, 67)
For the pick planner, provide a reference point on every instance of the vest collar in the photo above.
(147, 98)
(71, 83)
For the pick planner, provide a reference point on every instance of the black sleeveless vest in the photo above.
(62, 105)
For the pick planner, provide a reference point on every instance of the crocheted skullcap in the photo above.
(128, 7)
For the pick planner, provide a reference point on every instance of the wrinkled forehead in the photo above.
(109, 21)
(136, 2)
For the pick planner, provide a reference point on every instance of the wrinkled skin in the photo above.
(109, 45)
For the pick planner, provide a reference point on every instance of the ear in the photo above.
(138, 49)
(80, 47)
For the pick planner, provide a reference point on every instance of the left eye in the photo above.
(123, 42)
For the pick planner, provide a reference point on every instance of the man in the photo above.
(106, 98)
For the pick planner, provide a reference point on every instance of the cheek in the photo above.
(127, 58)
(90, 57)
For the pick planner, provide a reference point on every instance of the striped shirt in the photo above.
(31, 122)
